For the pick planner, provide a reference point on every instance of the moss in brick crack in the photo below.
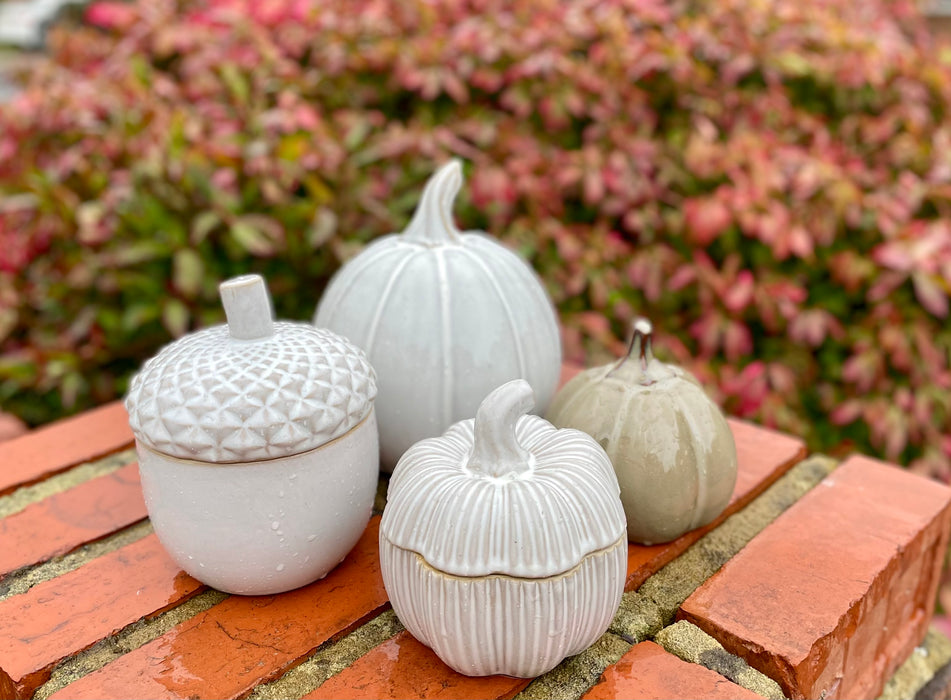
(644, 612)
(573, 676)
(23, 580)
(925, 661)
(692, 644)
(382, 486)
(129, 638)
(330, 659)
(22, 497)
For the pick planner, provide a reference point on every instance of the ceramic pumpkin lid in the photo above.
(251, 389)
(505, 493)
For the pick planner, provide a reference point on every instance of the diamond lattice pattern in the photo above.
(214, 398)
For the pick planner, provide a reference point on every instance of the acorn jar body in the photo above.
(268, 526)
(515, 626)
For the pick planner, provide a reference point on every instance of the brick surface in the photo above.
(64, 521)
(647, 671)
(762, 457)
(62, 616)
(833, 595)
(227, 650)
(402, 667)
(58, 446)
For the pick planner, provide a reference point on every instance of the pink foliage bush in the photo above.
(769, 181)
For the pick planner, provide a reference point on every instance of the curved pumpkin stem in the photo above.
(432, 222)
(247, 307)
(495, 449)
(639, 350)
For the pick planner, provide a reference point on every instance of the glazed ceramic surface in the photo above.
(258, 447)
(503, 543)
(671, 447)
(444, 317)
(269, 526)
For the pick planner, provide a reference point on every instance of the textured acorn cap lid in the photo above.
(252, 389)
(505, 493)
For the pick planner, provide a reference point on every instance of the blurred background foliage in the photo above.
(768, 180)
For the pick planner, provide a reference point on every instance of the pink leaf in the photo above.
(930, 294)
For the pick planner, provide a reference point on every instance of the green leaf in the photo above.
(175, 317)
(236, 82)
(258, 235)
(203, 224)
(187, 272)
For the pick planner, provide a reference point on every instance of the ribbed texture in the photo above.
(443, 325)
(496, 624)
(670, 445)
(535, 524)
(212, 398)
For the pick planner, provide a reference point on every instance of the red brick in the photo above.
(226, 651)
(402, 667)
(58, 446)
(762, 457)
(649, 672)
(64, 521)
(67, 614)
(837, 591)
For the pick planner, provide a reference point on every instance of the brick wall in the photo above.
(819, 580)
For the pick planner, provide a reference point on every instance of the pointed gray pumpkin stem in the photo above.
(432, 222)
(247, 307)
(495, 448)
(639, 350)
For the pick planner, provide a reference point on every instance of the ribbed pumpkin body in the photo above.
(672, 449)
(509, 557)
(443, 320)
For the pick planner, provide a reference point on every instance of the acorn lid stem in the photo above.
(495, 450)
(247, 307)
(432, 222)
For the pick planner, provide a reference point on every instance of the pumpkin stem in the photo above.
(432, 222)
(639, 348)
(247, 307)
(495, 449)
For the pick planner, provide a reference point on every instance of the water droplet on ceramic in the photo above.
(275, 525)
(280, 567)
(311, 538)
(292, 477)
(295, 554)
(280, 494)
(190, 557)
(201, 564)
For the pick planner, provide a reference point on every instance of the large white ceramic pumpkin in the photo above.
(445, 317)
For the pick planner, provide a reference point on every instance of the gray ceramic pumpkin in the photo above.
(672, 449)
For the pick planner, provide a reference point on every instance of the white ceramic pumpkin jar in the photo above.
(257, 447)
(672, 448)
(445, 317)
(503, 543)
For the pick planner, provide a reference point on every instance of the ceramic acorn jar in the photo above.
(503, 543)
(258, 447)
(444, 317)
(671, 447)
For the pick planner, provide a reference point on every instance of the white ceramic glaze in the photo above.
(445, 317)
(672, 448)
(269, 526)
(503, 543)
(258, 446)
